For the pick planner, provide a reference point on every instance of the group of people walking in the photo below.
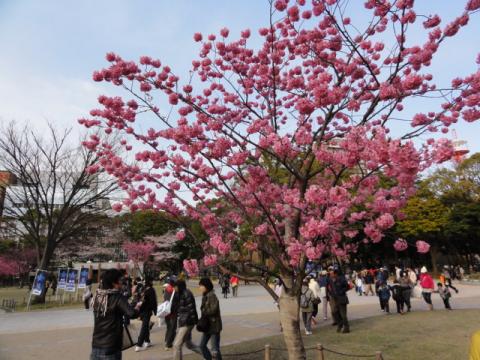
(226, 281)
(403, 285)
(329, 287)
(118, 300)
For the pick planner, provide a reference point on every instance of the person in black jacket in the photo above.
(109, 309)
(212, 320)
(148, 307)
(184, 306)
(337, 291)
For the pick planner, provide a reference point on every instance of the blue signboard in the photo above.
(82, 281)
(39, 282)
(71, 280)
(62, 278)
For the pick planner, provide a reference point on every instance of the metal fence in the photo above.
(319, 350)
(9, 305)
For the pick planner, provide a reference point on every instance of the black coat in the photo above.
(337, 289)
(108, 329)
(184, 306)
(149, 302)
(211, 309)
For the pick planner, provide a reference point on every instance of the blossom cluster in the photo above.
(291, 139)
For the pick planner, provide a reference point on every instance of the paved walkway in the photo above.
(66, 334)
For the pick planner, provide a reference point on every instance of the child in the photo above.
(445, 294)
(397, 294)
(383, 293)
(359, 285)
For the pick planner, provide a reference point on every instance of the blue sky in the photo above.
(51, 47)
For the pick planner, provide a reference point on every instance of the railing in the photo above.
(319, 349)
(9, 305)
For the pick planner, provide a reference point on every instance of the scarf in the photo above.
(100, 300)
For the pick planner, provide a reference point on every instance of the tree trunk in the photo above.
(290, 321)
(43, 265)
(434, 257)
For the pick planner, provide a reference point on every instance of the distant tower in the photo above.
(459, 148)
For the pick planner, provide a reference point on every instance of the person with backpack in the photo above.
(148, 307)
(109, 309)
(427, 284)
(185, 308)
(337, 292)
(383, 293)
(210, 323)
(306, 307)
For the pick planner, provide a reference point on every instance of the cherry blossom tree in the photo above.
(138, 251)
(289, 140)
(18, 262)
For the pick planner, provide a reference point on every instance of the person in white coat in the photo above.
(315, 289)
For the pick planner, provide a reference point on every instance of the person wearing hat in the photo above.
(210, 323)
(427, 284)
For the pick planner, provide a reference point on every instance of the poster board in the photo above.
(39, 282)
(82, 280)
(71, 280)
(62, 278)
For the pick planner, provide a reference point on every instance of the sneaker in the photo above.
(147, 344)
(308, 333)
(346, 331)
(167, 348)
(140, 348)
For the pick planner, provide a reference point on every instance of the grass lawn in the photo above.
(437, 335)
(21, 297)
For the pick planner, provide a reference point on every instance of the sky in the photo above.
(50, 48)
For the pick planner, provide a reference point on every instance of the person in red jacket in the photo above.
(234, 282)
(427, 284)
(170, 320)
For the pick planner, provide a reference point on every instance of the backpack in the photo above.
(304, 300)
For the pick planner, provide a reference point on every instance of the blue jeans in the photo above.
(215, 343)
(105, 354)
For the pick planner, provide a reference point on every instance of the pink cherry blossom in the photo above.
(277, 142)
(422, 246)
(191, 267)
(138, 251)
(210, 260)
(180, 235)
(473, 5)
(400, 245)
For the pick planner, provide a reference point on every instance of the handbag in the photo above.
(165, 308)
(203, 324)
(127, 338)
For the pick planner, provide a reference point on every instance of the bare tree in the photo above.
(55, 196)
